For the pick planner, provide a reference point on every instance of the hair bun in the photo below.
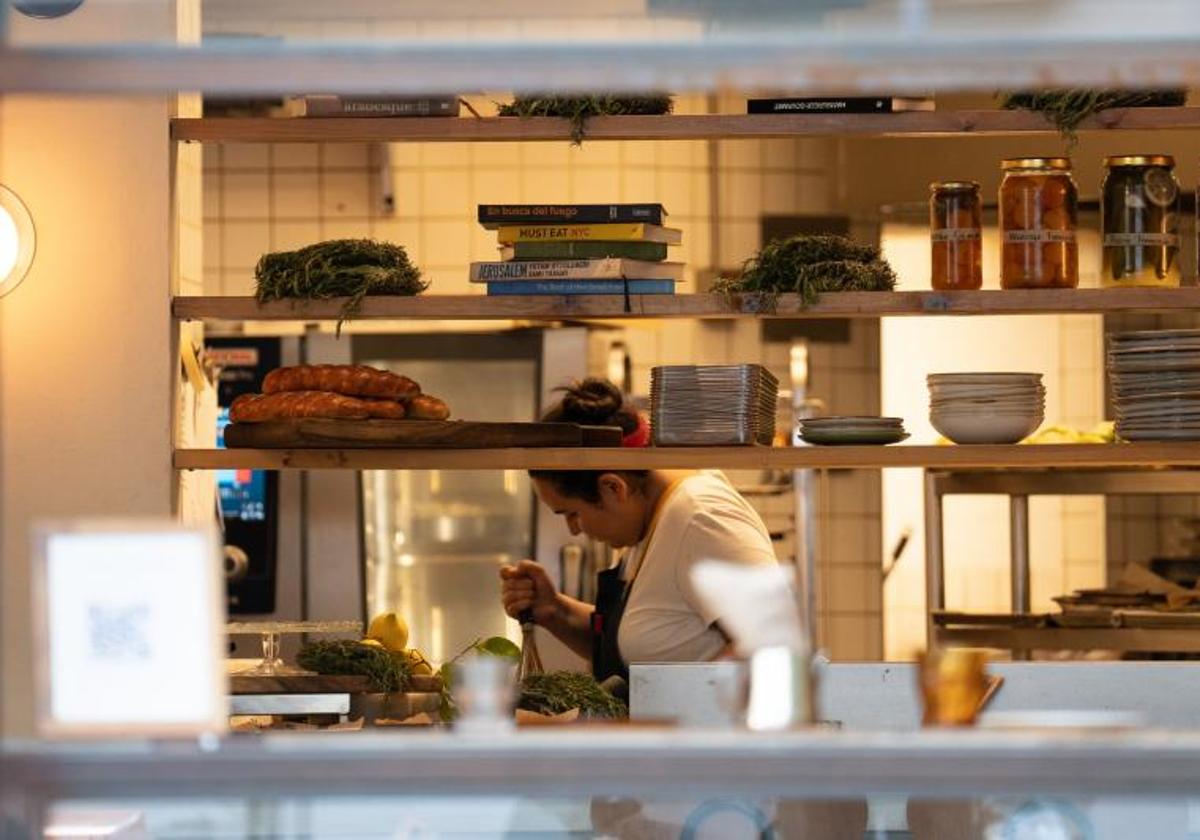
(594, 402)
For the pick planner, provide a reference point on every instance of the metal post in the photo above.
(803, 487)
(806, 550)
(935, 584)
(1018, 506)
(1019, 516)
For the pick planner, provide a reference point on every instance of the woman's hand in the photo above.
(527, 586)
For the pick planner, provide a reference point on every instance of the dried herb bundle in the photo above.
(1067, 109)
(809, 266)
(349, 268)
(561, 691)
(387, 671)
(578, 109)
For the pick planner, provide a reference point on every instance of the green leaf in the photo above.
(499, 646)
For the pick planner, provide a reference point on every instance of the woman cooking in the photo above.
(666, 520)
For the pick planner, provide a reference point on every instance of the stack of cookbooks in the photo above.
(579, 249)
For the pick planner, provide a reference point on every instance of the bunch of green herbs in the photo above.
(561, 691)
(346, 268)
(578, 109)
(386, 670)
(809, 265)
(1067, 109)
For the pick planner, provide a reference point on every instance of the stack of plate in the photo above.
(849, 431)
(712, 405)
(986, 407)
(1156, 384)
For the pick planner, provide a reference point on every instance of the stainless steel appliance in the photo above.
(428, 543)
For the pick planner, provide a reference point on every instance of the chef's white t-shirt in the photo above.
(703, 519)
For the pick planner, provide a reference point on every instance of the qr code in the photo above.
(119, 633)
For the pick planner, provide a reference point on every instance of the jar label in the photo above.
(1140, 240)
(1034, 237)
(955, 234)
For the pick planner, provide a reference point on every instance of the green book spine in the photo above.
(649, 251)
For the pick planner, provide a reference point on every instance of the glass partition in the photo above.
(481, 817)
(474, 45)
(618, 784)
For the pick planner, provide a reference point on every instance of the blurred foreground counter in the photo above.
(635, 781)
(867, 769)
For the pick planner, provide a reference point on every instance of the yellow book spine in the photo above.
(632, 232)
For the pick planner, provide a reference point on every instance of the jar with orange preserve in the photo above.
(955, 233)
(1039, 210)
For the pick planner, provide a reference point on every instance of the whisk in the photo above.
(531, 662)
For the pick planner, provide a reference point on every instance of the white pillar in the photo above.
(88, 358)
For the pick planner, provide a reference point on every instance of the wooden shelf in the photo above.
(666, 127)
(1161, 639)
(571, 308)
(1068, 456)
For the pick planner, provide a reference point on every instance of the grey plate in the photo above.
(852, 437)
(859, 421)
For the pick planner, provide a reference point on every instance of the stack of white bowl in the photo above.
(986, 407)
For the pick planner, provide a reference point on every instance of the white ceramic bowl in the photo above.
(990, 427)
(1027, 413)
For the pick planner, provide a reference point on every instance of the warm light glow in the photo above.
(17, 240)
(445, 529)
(10, 243)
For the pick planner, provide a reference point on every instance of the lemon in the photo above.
(417, 662)
(390, 630)
(371, 642)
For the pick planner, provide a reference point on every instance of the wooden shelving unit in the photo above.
(666, 127)
(1049, 456)
(567, 308)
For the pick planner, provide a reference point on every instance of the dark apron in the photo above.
(611, 593)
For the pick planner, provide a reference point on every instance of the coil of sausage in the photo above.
(350, 380)
(297, 405)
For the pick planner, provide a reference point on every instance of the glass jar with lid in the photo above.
(1039, 211)
(955, 233)
(1140, 221)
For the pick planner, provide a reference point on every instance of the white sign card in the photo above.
(129, 620)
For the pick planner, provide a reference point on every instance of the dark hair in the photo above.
(591, 402)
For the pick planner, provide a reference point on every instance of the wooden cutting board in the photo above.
(317, 684)
(414, 434)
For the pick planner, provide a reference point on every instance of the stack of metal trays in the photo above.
(712, 405)
(1155, 378)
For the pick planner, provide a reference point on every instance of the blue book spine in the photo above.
(582, 287)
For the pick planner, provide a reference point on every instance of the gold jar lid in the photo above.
(953, 186)
(1140, 160)
(1061, 164)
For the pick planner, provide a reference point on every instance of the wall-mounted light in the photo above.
(17, 240)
